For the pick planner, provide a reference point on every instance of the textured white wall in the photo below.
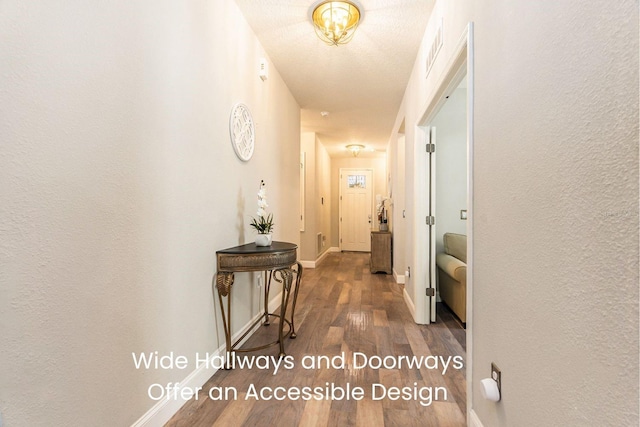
(396, 165)
(118, 183)
(555, 298)
(323, 200)
(308, 236)
(318, 186)
(557, 207)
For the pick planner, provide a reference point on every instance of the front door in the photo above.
(356, 220)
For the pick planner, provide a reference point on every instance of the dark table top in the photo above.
(251, 248)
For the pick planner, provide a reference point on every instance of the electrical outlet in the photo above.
(496, 374)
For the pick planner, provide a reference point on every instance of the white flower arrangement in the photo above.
(264, 223)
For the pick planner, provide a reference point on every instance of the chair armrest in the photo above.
(452, 266)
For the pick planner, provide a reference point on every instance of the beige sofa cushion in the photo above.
(452, 266)
(456, 246)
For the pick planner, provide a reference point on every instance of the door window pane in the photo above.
(357, 181)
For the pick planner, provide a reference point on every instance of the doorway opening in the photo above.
(458, 82)
(449, 198)
(459, 68)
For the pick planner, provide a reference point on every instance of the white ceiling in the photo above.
(360, 84)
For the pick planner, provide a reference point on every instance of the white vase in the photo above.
(263, 239)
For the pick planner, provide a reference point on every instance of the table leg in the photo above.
(286, 278)
(267, 288)
(295, 299)
(224, 282)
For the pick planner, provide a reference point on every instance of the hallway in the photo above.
(343, 309)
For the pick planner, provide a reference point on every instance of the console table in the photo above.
(279, 262)
(381, 252)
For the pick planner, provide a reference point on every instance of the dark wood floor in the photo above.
(343, 309)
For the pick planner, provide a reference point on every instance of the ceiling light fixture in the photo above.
(355, 149)
(335, 22)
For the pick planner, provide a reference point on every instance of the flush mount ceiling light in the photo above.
(335, 22)
(355, 149)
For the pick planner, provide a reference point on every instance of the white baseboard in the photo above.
(314, 264)
(409, 303)
(474, 421)
(399, 278)
(162, 411)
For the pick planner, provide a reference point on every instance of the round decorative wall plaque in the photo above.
(243, 133)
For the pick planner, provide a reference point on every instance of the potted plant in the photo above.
(264, 222)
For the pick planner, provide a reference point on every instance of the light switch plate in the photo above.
(463, 214)
(496, 374)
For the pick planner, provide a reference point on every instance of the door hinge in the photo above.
(431, 148)
(431, 292)
(431, 220)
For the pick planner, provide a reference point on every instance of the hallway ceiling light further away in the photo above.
(355, 149)
(335, 22)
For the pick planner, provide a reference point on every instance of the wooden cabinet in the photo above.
(380, 252)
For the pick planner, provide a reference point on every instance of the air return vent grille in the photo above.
(436, 44)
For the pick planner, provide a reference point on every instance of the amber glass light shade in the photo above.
(335, 22)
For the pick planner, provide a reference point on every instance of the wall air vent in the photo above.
(436, 44)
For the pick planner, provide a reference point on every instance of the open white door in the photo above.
(431, 276)
(356, 195)
(424, 226)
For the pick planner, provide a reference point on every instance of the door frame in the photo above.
(371, 207)
(460, 63)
